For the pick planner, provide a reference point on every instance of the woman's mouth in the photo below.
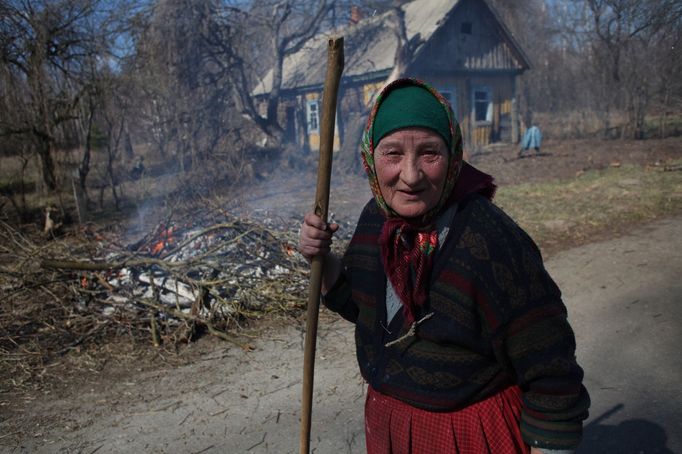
(411, 194)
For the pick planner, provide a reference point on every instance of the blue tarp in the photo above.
(532, 138)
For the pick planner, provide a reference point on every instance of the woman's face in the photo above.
(411, 165)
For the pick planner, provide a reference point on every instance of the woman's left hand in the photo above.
(536, 451)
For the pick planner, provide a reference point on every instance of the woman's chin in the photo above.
(411, 210)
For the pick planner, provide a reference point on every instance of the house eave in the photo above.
(483, 71)
(346, 81)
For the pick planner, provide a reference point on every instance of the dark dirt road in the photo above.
(623, 297)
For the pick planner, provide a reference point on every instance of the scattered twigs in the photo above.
(188, 317)
(102, 266)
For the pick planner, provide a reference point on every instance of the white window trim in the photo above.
(489, 113)
(316, 112)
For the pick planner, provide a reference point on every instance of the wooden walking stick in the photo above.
(331, 87)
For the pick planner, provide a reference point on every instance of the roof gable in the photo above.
(486, 45)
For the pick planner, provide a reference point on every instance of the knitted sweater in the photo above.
(497, 320)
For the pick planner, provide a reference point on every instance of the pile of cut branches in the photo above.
(205, 273)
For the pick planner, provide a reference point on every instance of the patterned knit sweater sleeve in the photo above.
(340, 297)
(527, 322)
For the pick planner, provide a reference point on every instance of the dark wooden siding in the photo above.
(471, 40)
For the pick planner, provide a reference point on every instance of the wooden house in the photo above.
(460, 46)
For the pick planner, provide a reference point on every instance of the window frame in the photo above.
(489, 109)
(309, 111)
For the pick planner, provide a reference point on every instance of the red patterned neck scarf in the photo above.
(407, 246)
(407, 253)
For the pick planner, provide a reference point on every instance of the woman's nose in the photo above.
(410, 172)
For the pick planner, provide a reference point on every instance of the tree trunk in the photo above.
(112, 181)
(128, 149)
(663, 121)
(84, 168)
(273, 98)
(405, 48)
(47, 164)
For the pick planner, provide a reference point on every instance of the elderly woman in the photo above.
(461, 334)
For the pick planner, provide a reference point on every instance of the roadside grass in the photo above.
(594, 205)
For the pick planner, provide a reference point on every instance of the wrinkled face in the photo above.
(411, 165)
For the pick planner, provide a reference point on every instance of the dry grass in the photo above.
(596, 203)
(591, 124)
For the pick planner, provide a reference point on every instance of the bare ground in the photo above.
(214, 397)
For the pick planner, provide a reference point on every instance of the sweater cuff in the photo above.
(556, 431)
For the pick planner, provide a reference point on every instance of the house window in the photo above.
(483, 105)
(313, 115)
(465, 29)
(451, 95)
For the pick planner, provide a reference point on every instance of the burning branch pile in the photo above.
(183, 278)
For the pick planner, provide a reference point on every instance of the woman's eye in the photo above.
(431, 154)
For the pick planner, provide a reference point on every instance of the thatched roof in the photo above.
(370, 46)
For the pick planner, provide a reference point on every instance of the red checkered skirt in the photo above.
(489, 426)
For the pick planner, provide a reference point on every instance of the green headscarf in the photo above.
(405, 103)
(410, 106)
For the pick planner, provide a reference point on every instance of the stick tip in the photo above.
(335, 42)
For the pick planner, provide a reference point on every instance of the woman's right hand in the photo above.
(316, 236)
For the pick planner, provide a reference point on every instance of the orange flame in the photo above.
(289, 249)
(166, 239)
(158, 247)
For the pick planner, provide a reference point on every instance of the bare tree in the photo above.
(113, 114)
(668, 84)
(288, 24)
(626, 32)
(44, 45)
(181, 91)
